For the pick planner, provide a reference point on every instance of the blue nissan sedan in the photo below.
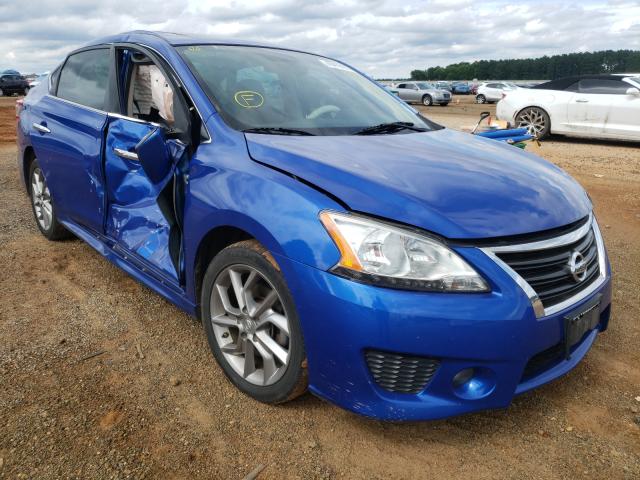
(329, 237)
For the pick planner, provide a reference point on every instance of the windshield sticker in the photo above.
(248, 99)
(336, 65)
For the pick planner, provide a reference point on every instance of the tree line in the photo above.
(542, 68)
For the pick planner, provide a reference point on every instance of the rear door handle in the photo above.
(582, 100)
(41, 128)
(126, 154)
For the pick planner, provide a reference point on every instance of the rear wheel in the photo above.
(252, 325)
(427, 101)
(481, 99)
(535, 120)
(42, 205)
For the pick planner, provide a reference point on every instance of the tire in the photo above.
(481, 99)
(241, 337)
(535, 120)
(44, 210)
(427, 101)
(444, 104)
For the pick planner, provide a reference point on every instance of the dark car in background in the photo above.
(11, 83)
(460, 88)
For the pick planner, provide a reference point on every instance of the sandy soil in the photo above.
(152, 403)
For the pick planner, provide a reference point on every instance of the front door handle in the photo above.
(41, 128)
(582, 100)
(126, 154)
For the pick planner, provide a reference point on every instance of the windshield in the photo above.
(266, 88)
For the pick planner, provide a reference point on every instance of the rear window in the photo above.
(84, 78)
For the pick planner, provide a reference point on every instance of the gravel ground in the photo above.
(101, 378)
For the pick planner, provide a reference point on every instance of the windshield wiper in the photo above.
(390, 128)
(277, 131)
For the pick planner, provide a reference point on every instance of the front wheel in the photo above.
(535, 120)
(427, 101)
(444, 104)
(252, 324)
(481, 99)
(42, 204)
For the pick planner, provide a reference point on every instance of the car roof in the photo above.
(169, 38)
(562, 83)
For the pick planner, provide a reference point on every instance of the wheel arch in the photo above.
(28, 157)
(214, 241)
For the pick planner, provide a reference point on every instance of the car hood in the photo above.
(451, 183)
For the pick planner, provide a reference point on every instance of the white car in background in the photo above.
(490, 92)
(598, 106)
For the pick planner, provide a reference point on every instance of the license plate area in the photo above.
(579, 322)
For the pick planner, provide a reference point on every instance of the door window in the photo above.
(148, 93)
(84, 78)
(402, 85)
(608, 87)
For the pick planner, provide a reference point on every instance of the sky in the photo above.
(384, 38)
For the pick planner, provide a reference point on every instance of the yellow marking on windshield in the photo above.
(248, 99)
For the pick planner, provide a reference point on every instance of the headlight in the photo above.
(389, 256)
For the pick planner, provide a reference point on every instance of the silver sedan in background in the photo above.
(422, 92)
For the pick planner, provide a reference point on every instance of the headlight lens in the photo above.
(394, 257)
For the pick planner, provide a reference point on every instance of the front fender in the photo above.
(228, 189)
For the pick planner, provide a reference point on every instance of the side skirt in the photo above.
(108, 249)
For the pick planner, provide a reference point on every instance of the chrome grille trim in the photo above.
(566, 239)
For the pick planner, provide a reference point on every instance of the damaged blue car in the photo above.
(329, 237)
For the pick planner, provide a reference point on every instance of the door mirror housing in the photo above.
(153, 155)
(633, 91)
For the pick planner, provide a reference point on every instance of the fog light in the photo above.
(473, 383)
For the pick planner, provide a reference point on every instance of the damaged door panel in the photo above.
(141, 171)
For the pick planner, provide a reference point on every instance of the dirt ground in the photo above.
(153, 404)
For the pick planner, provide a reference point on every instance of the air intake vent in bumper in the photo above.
(401, 373)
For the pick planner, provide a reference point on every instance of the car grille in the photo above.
(401, 373)
(547, 271)
(446, 95)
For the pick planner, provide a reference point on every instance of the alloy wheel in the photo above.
(481, 99)
(41, 198)
(533, 120)
(250, 325)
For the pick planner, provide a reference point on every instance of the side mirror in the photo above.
(153, 156)
(633, 91)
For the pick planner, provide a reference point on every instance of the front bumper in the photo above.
(496, 334)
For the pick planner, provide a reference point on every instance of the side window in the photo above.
(84, 78)
(402, 85)
(574, 87)
(611, 87)
(53, 80)
(147, 92)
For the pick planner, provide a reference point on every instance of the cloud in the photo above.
(385, 38)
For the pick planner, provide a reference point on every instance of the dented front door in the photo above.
(141, 215)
